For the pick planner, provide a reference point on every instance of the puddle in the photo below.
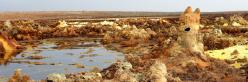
(61, 55)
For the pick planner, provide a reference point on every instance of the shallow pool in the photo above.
(61, 56)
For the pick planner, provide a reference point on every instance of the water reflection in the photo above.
(58, 56)
(5, 57)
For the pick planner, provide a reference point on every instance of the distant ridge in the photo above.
(36, 15)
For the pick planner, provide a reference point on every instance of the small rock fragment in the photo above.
(236, 24)
(36, 57)
(55, 77)
(157, 72)
(235, 52)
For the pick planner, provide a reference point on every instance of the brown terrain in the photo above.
(158, 46)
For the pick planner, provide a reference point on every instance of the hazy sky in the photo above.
(122, 5)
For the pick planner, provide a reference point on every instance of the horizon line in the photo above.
(112, 11)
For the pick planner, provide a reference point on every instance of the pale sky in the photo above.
(122, 5)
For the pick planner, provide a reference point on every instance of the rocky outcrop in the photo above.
(189, 37)
(19, 77)
(8, 48)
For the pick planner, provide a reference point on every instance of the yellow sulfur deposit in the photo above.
(230, 53)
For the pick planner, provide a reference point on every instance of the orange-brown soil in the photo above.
(144, 47)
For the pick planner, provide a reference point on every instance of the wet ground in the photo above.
(61, 55)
